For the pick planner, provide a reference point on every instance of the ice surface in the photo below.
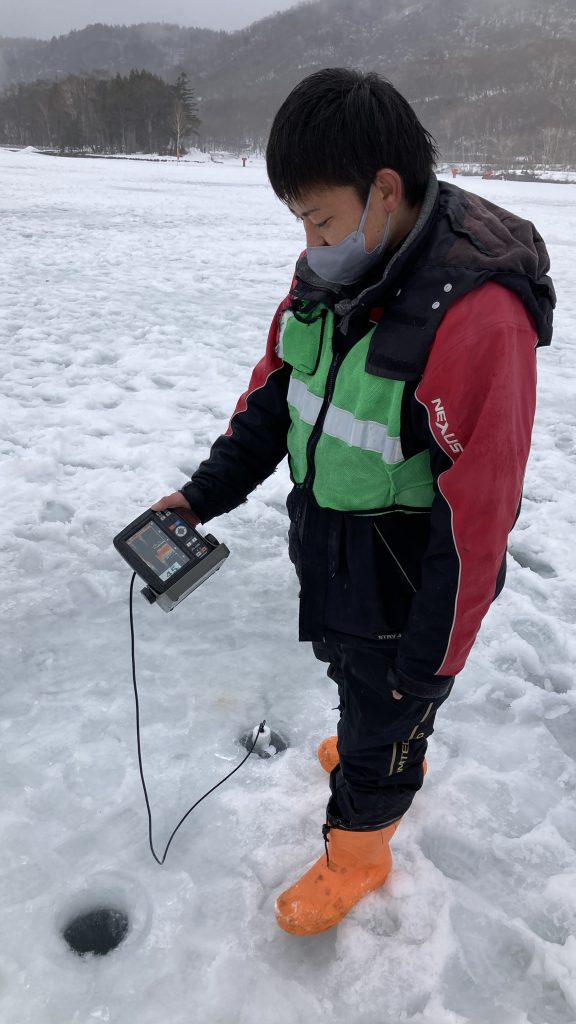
(134, 299)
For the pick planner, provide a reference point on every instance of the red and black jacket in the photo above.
(461, 307)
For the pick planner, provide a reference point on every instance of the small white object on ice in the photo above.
(264, 737)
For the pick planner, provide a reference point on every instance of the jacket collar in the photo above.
(459, 242)
(317, 289)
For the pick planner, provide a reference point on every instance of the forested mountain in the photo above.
(491, 80)
(111, 49)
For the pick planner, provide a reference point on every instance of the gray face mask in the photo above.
(347, 261)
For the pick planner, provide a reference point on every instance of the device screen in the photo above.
(154, 548)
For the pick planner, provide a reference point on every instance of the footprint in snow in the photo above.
(497, 972)
(565, 439)
(528, 560)
(56, 512)
(563, 729)
(546, 663)
(460, 859)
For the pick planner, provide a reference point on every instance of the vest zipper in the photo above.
(317, 431)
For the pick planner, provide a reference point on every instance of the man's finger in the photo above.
(179, 502)
(175, 500)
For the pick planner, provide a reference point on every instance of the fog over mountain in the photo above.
(490, 80)
(34, 18)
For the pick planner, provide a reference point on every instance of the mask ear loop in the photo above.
(360, 232)
(360, 228)
(387, 229)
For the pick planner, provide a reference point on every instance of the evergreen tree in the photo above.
(185, 120)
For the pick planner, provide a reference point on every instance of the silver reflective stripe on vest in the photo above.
(306, 404)
(372, 437)
(365, 434)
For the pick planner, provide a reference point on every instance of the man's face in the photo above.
(330, 214)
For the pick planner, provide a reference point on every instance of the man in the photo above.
(399, 378)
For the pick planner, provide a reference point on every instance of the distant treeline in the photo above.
(135, 113)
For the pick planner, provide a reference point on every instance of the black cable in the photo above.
(137, 702)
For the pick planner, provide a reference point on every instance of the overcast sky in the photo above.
(42, 19)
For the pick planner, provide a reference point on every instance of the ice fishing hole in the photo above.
(270, 744)
(96, 931)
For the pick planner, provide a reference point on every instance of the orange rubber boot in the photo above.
(355, 864)
(328, 754)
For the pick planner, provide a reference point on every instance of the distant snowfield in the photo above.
(134, 300)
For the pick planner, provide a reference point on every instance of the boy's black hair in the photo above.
(339, 127)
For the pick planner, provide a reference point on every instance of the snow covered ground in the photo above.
(134, 300)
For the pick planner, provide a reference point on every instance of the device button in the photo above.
(180, 531)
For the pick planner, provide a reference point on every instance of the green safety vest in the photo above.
(358, 459)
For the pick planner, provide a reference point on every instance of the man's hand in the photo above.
(417, 689)
(393, 678)
(177, 501)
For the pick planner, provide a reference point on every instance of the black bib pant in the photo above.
(382, 741)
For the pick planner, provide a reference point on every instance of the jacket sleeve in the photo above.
(255, 442)
(478, 393)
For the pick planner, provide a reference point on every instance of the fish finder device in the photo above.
(172, 558)
(169, 554)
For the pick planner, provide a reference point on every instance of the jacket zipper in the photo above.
(315, 435)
